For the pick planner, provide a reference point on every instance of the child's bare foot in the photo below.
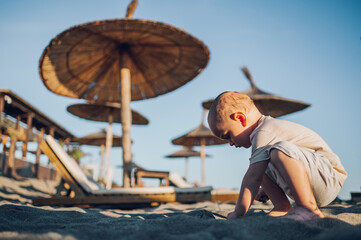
(303, 214)
(278, 212)
(274, 213)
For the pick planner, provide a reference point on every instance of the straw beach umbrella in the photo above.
(102, 112)
(186, 152)
(121, 60)
(107, 112)
(268, 104)
(200, 136)
(99, 139)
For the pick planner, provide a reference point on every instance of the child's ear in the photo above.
(239, 117)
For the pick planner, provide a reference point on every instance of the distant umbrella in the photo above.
(102, 112)
(200, 136)
(106, 112)
(268, 104)
(186, 152)
(100, 139)
(121, 60)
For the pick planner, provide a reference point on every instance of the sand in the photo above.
(19, 219)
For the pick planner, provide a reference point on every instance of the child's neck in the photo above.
(255, 119)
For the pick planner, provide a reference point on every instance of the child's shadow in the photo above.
(257, 212)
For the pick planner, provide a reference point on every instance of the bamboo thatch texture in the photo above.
(98, 139)
(198, 135)
(83, 61)
(268, 104)
(101, 112)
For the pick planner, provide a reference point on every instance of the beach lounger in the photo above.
(178, 181)
(218, 195)
(161, 175)
(225, 195)
(85, 191)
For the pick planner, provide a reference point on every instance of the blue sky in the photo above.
(305, 50)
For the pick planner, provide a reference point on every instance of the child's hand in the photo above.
(261, 196)
(232, 215)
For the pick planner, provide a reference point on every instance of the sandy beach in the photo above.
(19, 219)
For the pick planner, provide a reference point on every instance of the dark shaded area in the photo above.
(196, 224)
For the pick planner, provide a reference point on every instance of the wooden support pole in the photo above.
(3, 138)
(2, 105)
(10, 170)
(17, 122)
(29, 123)
(108, 144)
(203, 157)
(67, 144)
(204, 115)
(52, 131)
(186, 168)
(38, 153)
(125, 113)
(126, 118)
(10, 166)
(101, 167)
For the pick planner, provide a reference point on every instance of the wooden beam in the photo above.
(18, 118)
(10, 163)
(51, 131)
(193, 197)
(225, 197)
(38, 153)
(124, 199)
(107, 200)
(152, 174)
(67, 144)
(29, 122)
(1, 103)
(101, 167)
(126, 118)
(108, 144)
(59, 167)
(203, 161)
(10, 170)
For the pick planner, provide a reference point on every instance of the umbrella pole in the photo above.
(186, 169)
(101, 168)
(108, 145)
(126, 119)
(203, 157)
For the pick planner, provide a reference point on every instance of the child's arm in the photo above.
(249, 188)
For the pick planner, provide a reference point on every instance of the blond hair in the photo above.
(227, 103)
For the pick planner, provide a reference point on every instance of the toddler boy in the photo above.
(287, 158)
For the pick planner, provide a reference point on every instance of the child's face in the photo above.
(232, 130)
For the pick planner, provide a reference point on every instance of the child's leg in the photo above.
(280, 202)
(295, 175)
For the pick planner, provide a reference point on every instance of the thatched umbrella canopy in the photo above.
(106, 112)
(268, 104)
(98, 139)
(121, 60)
(186, 152)
(200, 136)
